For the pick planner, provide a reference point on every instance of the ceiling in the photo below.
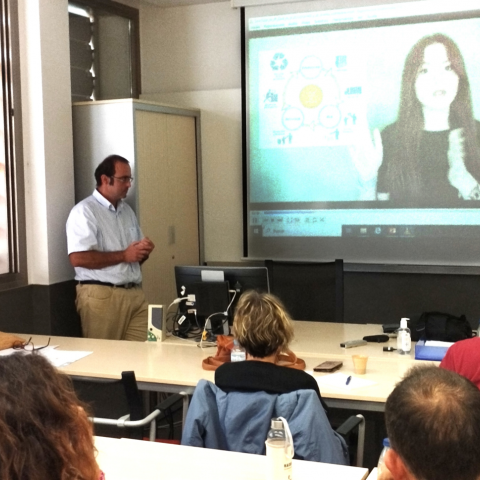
(180, 3)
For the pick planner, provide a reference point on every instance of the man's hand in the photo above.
(135, 252)
(148, 244)
(93, 259)
(139, 251)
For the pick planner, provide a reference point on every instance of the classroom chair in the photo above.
(118, 408)
(239, 421)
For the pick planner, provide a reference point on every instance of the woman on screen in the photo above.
(44, 432)
(431, 154)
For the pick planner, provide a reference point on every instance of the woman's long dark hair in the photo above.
(44, 432)
(402, 173)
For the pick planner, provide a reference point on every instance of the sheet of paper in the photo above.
(7, 351)
(58, 358)
(339, 380)
(62, 358)
(437, 343)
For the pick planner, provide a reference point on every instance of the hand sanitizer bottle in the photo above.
(404, 340)
(238, 353)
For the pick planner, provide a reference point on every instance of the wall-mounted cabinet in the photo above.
(162, 144)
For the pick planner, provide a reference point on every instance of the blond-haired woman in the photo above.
(264, 329)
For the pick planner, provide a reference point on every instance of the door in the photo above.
(167, 198)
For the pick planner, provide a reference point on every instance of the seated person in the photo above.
(463, 357)
(44, 431)
(264, 329)
(433, 423)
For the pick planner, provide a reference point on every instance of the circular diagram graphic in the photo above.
(311, 67)
(292, 118)
(329, 116)
(311, 96)
(314, 91)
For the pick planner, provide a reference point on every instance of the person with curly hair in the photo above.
(44, 429)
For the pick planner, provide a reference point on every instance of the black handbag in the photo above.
(441, 326)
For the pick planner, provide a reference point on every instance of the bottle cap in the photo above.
(235, 342)
(386, 442)
(276, 424)
(403, 322)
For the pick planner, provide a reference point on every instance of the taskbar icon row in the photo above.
(379, 231)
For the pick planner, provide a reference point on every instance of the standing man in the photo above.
(106, 247)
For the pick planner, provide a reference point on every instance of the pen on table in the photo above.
(348, 380)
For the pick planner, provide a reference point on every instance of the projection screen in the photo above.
(362, 133)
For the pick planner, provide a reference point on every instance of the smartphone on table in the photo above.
(328, 366)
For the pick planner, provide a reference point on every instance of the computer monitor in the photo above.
(240, 279)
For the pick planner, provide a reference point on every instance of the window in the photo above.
(12, 221)
(104, 50)
(4, 249)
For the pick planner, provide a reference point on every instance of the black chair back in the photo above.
(311, 291)
(113, 399)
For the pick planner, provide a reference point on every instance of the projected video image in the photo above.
(384, 114)
(363, 131)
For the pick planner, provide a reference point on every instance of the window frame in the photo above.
(13, 145)
(134, 16)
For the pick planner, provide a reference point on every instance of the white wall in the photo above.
(191, 57)
(190, 48)
(47, 135)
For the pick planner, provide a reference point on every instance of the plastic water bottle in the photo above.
(279, 451)
(238, 353)
(404, 339)
(381, 459)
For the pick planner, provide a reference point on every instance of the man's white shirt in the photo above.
(95, 224)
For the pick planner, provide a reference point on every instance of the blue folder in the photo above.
(423, 352)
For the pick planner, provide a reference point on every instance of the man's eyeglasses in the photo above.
(123, 179)
(29, 346)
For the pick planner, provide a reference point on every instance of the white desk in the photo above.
(134, 459)
(373, 475)
(175, 365)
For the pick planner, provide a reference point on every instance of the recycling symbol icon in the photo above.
(279, 62)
